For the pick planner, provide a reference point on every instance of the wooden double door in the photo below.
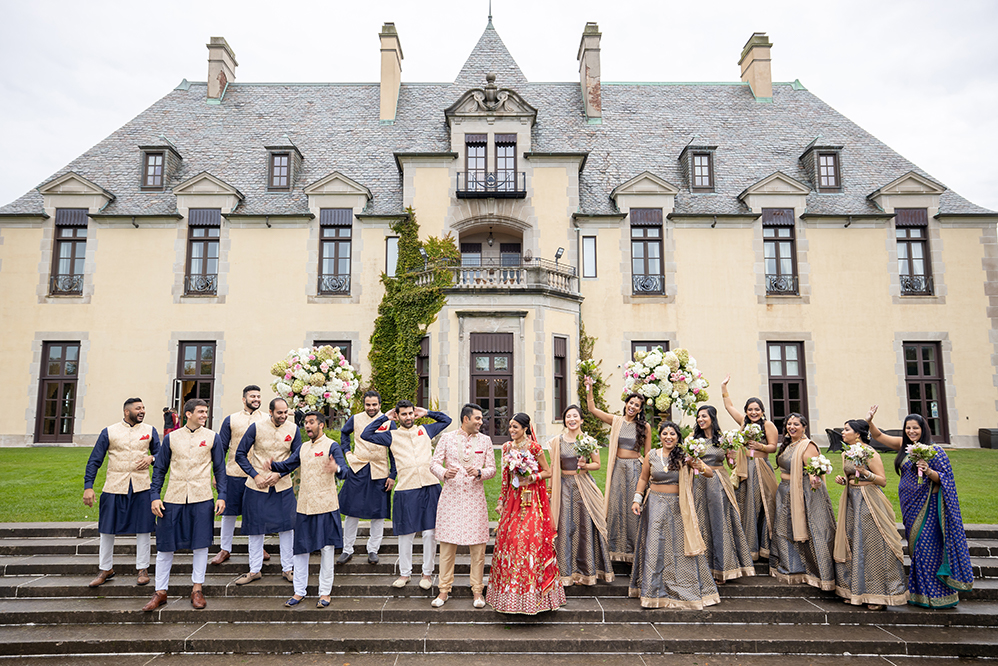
(492, 382)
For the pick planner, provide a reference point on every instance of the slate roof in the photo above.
(337, 128)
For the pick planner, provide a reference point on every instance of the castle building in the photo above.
(747, 221)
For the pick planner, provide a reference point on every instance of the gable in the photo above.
(910, 183)
(337, 183)
(205, 183)
(73, 183)
(777, 183)
(645, 183)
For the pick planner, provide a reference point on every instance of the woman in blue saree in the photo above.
(930, 509)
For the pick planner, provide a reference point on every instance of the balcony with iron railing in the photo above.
(648, 284)
(491, 185)
(65, 285)
(916, 285)
(200, 285)
(492, 275)
(334, 285)
(781, 285)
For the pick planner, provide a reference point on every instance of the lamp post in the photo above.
(558, 255)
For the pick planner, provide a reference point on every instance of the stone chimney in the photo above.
(391, 72)
(755, 66)
(589, 75)
(221, 67)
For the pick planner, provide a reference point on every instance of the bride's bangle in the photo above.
(638, 497)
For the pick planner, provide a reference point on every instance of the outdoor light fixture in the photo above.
(559, 253)
(490, 240)
(426, 257)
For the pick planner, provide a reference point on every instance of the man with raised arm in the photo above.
(231, 433)
(130, 447)
(366, 492)
(269, 503)
(190, 454)
(417, 490)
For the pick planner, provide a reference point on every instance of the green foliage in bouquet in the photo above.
(589, 366)
(412, 300)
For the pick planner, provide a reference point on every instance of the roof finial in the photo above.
(490, 14)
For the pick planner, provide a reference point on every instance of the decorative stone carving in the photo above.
(491, 101)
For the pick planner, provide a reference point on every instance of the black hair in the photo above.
(861, 428)
(166, 409)
(403, 404)
(715, 435)
(131, 401)
(926, 438)
(319, 415)
(761, 422)
(786, 435)
(469, 410)
(524, 422)
(640, 424)
(250, 387)
(193, 404)
(565, 411)
(273, 403)
(675, 460)
(372, 394)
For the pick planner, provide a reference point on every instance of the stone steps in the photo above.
(47, 608)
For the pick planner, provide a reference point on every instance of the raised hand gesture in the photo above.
(870, 414)
(589, 384)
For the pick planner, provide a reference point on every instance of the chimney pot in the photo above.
(221, 67)
(755, 65)
(589, 72)
(391, 71)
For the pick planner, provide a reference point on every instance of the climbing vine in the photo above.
(412, 300)
(590, 366)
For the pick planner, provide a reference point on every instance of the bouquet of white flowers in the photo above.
(314, 377)
(753, 432)
(694, 448)
(667, 379)
(520, 464)
(858, 454)
(818, 466)
(585, 446)
(920, 452)
(731, 440)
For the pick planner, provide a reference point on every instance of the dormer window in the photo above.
(697, 164)
(280, 171)
(475, 147)
(828, 172)
(153, 164)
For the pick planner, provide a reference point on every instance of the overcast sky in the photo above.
(920, 75)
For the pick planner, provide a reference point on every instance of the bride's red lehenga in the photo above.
(524, 577)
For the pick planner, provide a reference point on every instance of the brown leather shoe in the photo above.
(102, 578)
(143, 578)
(221, 557)
(157, 600)
(197, 600)
(266, 556)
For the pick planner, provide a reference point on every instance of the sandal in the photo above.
(322, 603)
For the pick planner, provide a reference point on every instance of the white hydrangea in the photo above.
(653, 359)
(650, 390)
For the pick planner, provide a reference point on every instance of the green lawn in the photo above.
(46, 484)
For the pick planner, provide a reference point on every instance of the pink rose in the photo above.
(288, 375)
(343, 363)
(696, 391)
(326, 395)
(651, 377)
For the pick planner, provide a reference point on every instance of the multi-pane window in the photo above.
(560, 375)
(646, 251)
(476, 146)
(196, 373)
(280, 171)
(69, 252)
(924, 386)
(391, 255)
(152, 170)
(335, 230)
(787, 383)
(510, 254)
(56, 414)
(703, 172)
(346, 347)
(588, 256)
(203, 229)
(828, 172)
(780, 251)
(913, 251)
(423, 373)
(505, 162)
(471, 254)
(647, 345)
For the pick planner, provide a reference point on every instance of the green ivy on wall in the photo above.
(589, 365)
(412, 300)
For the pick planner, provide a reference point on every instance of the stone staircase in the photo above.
(49, 615)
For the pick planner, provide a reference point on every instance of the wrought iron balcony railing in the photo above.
(200, 285)
(334, 284)
(66, 285)
(526, 275)
(781, 285)
(491, 185)
(648, 284)
(916, 285)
